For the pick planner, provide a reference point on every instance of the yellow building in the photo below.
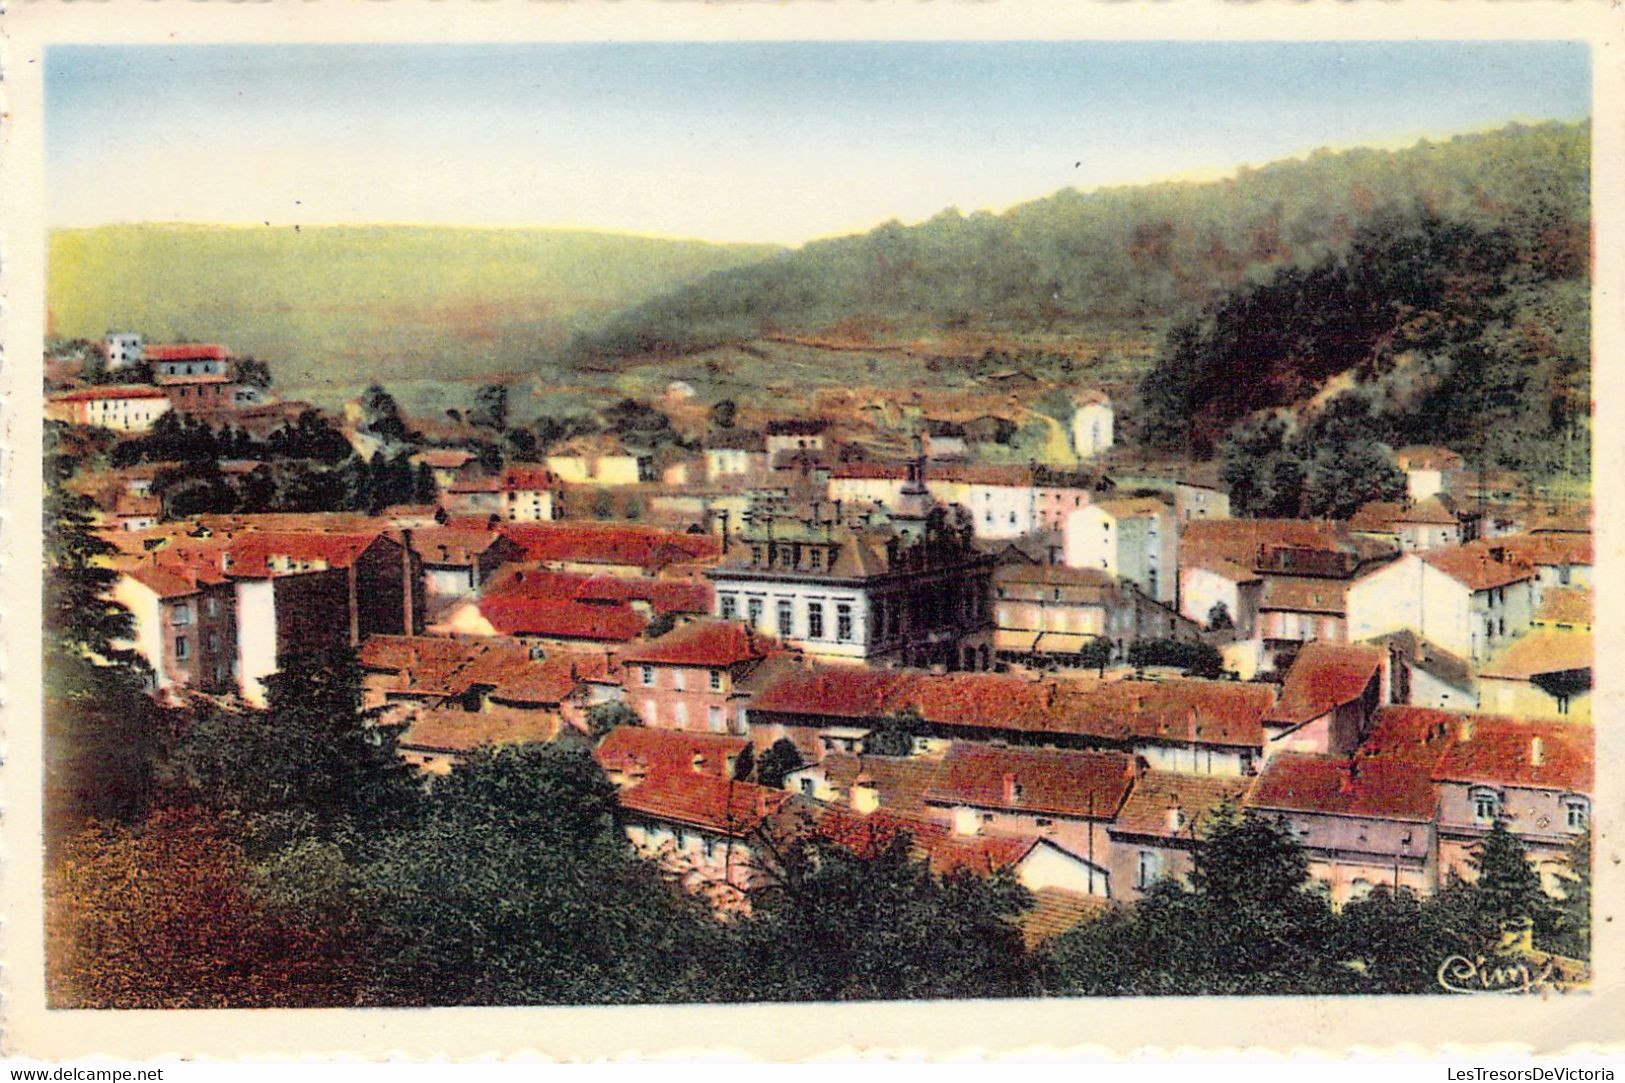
(1543, 675)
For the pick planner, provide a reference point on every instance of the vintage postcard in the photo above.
(611, 529)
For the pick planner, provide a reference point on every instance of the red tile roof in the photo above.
(166, 582)
(1547, 549)
(1376, 516)
(1384, 788)
(1475, 564)
(252, 553)
(718, 643)
(187, 380)
(1433, 511)
(1239, 540)
(553, 618)
(453, 730)
(1034, 781)
(592, 543)
(1293, 594)
(1502, 751)
(518, 477)
(1179, 711)
(708, 802)
(900, 782)
(1427, 457)
(1325, 676)
(1493, 749)
(1145, 812)
(643, 750)
(1542, 650)
(1566, 605)
(675, 595)
(932, 840)
(444, 458)
(452, 545)
(186, 351)
(108, 391)
(1055, 911)
(436, 666)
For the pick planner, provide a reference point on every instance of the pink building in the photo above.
(690, 678)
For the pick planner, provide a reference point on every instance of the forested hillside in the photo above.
(340, 307)
(1121, 257)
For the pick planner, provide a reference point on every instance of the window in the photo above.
(713, 718)
(1501, 626)
(213, 606)
(1576, 813)
(1359, 890)
(815, 620)
(786, 617)
(648, 676)
(815, 559)
(1149, 868)
(651, 712)
(729, 607)
(806, 787)
(753, 612)
(716, 680)
(680, 712)
(214, 642)
(1486, 805)
(710, 848)
(183, 614)
(679, 679)
(843, 623)
(183, 647)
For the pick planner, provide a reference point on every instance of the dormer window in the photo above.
(815, 559)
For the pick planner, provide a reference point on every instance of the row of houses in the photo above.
(194, 378)
(1096, 788)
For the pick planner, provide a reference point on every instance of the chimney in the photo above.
(864, 797)
(1176, 818)
(1012, 789)
(1537, 751)
(408, 585)
(1464, 732)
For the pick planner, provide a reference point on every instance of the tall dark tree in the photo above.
(781, 757)
(1506, 889)
(102, 733)
(518, 887)
(490, 407)
(381, 415)
(839, 925)
(310, 762)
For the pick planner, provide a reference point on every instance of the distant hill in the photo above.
(335, 307)
(1122, 258)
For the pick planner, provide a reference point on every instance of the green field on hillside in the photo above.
(333, 308)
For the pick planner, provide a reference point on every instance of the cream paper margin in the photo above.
(1275, 1027)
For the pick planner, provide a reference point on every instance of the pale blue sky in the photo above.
(760, 142)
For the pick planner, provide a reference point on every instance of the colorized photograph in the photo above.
(812, 521)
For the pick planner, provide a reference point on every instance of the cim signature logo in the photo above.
(1459, 974)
